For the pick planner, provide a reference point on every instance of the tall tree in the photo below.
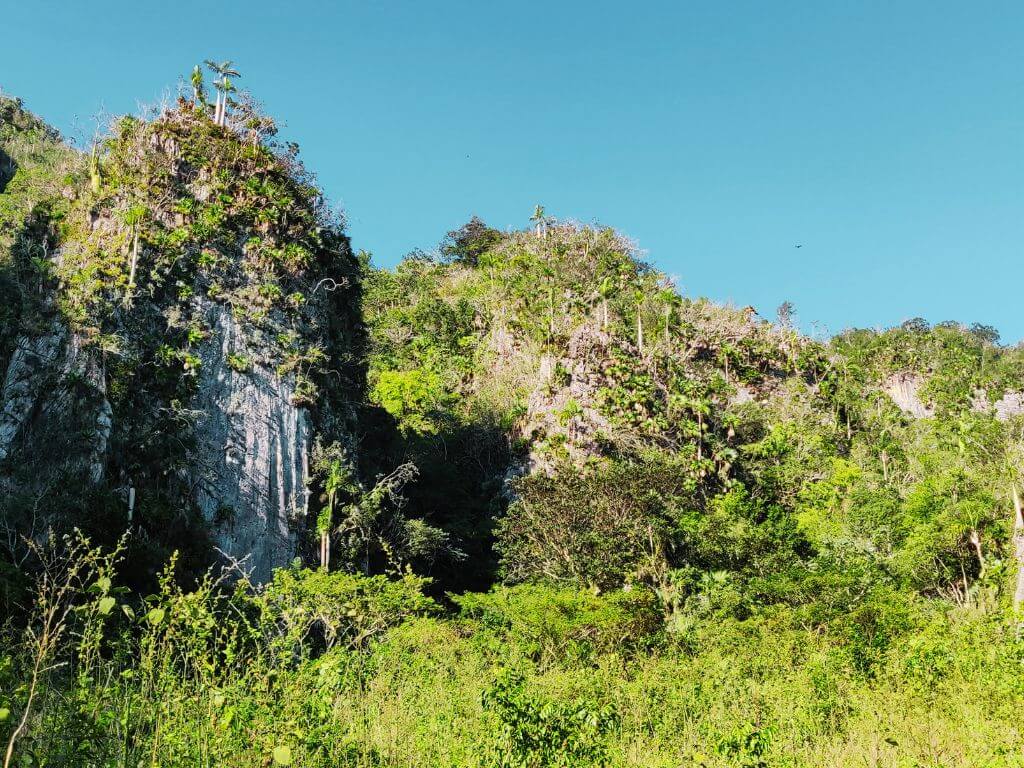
(540, 219)
(224, 72)
(198, 93)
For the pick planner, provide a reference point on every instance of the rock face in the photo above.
(905, 391)
(564, 403)
(1010, 404)
(251, 461)
(55, 418)
(248, 466)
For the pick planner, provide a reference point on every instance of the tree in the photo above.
(986, 333)
(331, 464)
(784, 314)
(541, 220)
(669, 298)
(469, 242)
(1018, 548)
(605, 291)
(224, 86)
(198, 92)
(641, 299)
(95, 177)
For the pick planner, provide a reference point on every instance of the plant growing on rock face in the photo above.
(239, 363)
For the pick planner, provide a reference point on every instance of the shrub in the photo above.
(534, 733)
(549, 624)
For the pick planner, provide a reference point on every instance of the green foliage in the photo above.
(538, 734)
(305, 607)
(415, 398)
(594, 527)
(547, 624)
(331, 669)
(468, 243)
(239, 363)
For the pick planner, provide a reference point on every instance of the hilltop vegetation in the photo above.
(556, 513)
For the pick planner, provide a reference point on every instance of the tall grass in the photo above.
(321, 669)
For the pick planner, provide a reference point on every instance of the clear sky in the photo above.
(885, 137)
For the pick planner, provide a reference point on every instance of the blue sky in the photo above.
(886, 138)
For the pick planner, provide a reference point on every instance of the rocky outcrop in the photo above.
(564, 404)
(54, 415)
(200, 321)
(250, 465)
(1010, 404)
(904, 389)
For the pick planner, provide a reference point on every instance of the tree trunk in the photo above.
(976, 543)
(551, 313)
(639, 331)
(135, 261)
(1018, 548)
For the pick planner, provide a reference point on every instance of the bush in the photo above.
(328, 608)
(534, 733)
(551, 624)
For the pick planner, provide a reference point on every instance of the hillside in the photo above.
(517, 501)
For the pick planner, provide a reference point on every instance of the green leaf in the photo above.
(103, 585)
(155, 615)
(107, 605)
(282, 755)
(4, 713)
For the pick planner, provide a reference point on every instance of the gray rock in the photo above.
(1009, 405)
(251, 462)
(1006, 407)
(54, 412)
(904, 390)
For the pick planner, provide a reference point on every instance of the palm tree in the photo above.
(229, 88)
(641, 299)
(1018, 547)
(198, 95)
(668, 297)
(540, 219)
(605, 290)
(224, 71)
(95, 177)
(338, 479)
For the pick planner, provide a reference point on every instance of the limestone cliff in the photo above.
(184, 322)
